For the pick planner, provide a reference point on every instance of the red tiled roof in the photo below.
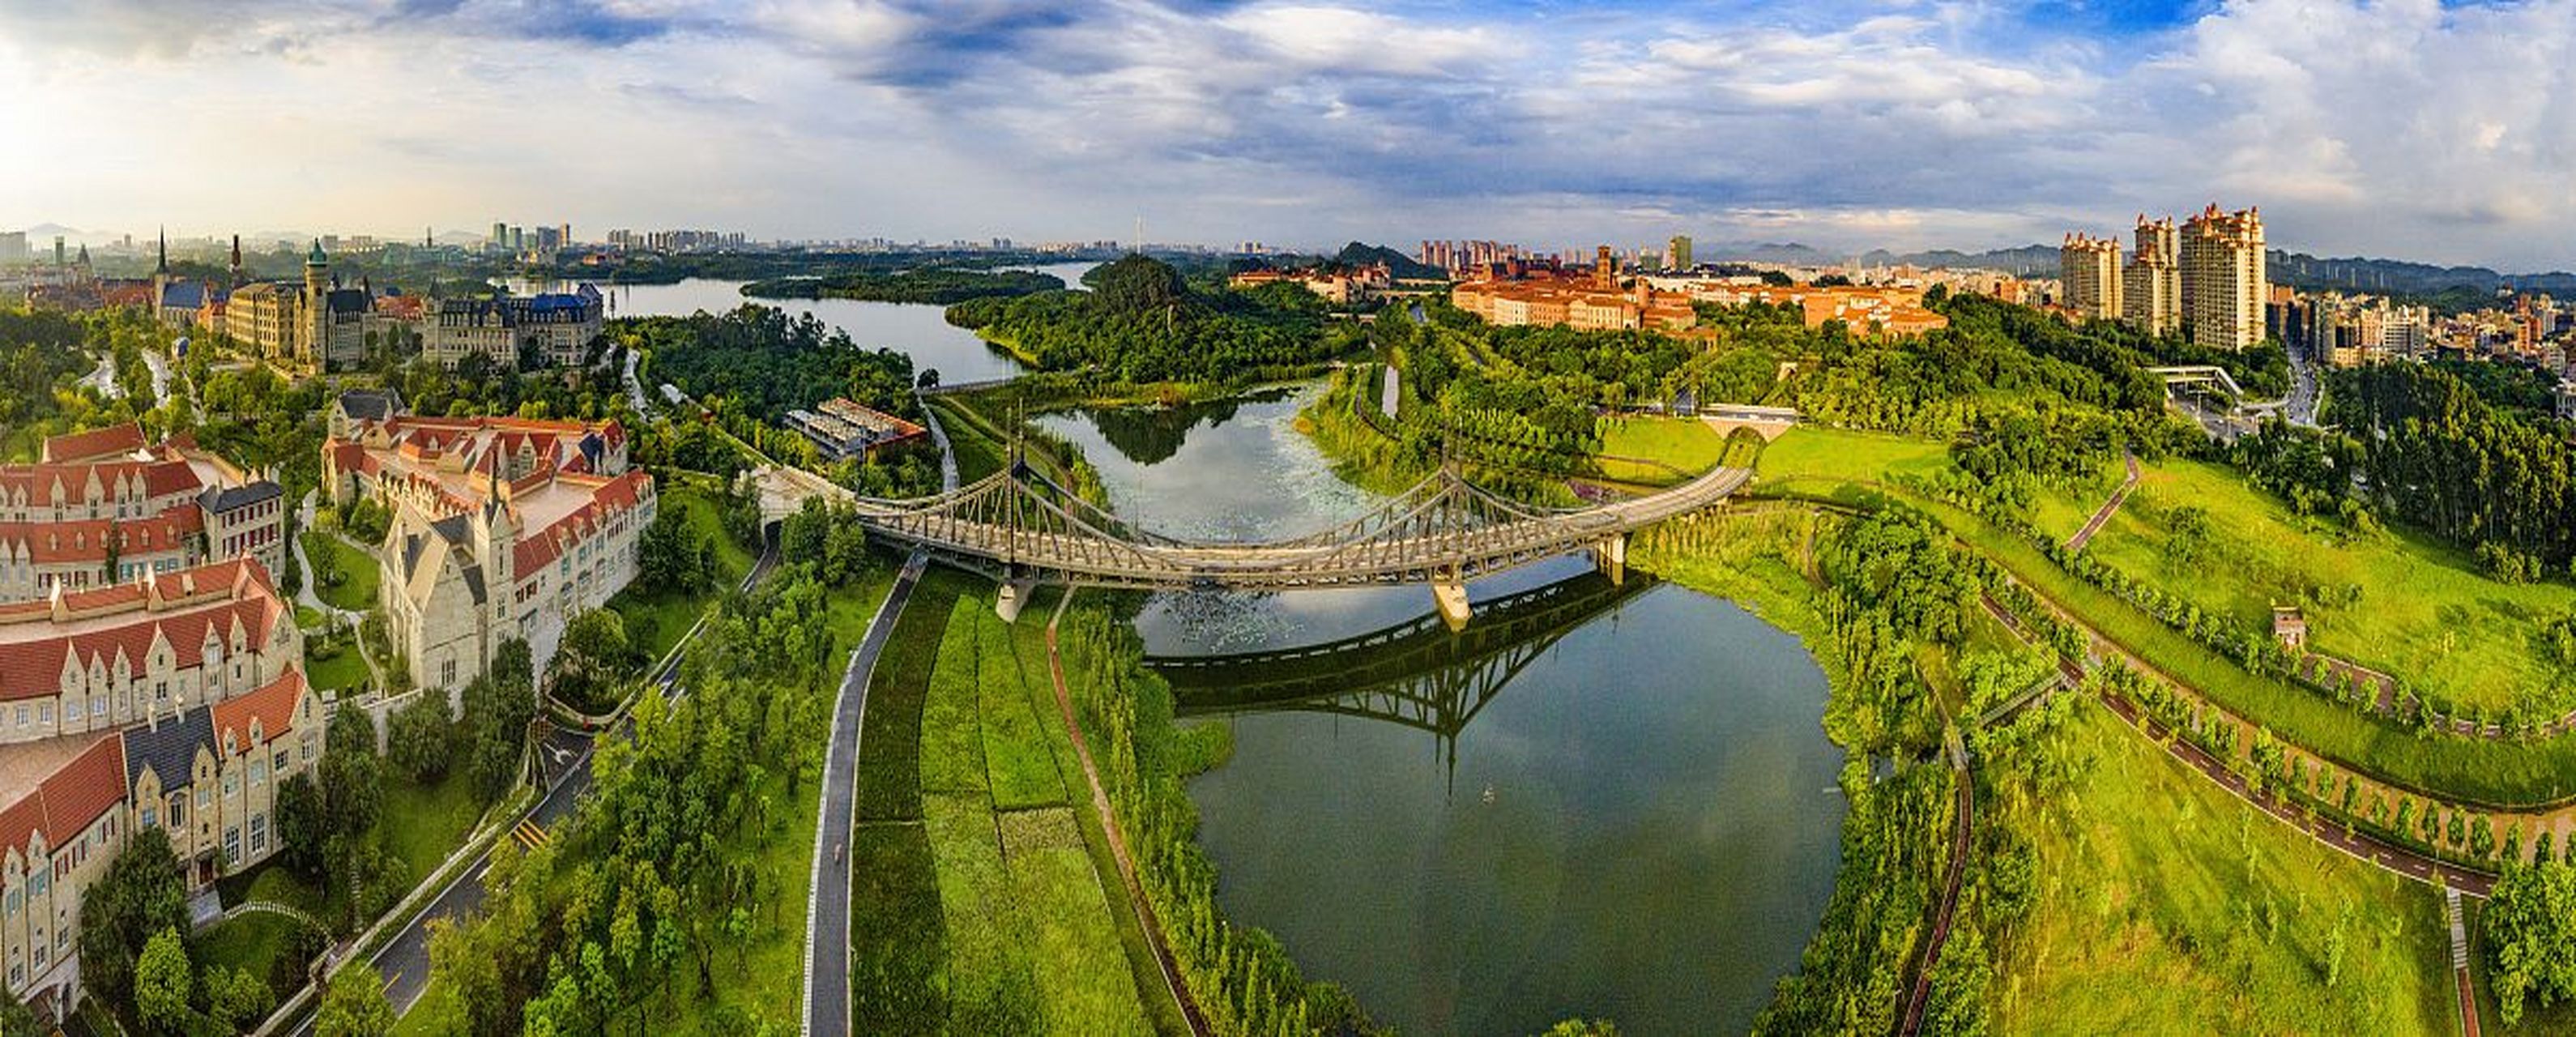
(69, 800)
(231, 595)
(37, 481)
(95, 444)
(54, 543)
(272, 706)
(541, 547)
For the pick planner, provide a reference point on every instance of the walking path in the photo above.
(827, 907)
(1922, 992)
(304, 594)
(2460, 962)
(2109, 507)
(1169, 965)
(2362, 845)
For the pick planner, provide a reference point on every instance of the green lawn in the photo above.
(425, 823)
(356, 593)
(1688, 446)
(1828, 465)
(344, 669)
(1809, 451)
(656, 621)
(1017, 752)
(2416, 608)
(253, 942)
(2165, 905)
(992, 913)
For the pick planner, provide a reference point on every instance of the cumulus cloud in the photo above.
(2400, 127)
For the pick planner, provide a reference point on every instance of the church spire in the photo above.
(164, 268)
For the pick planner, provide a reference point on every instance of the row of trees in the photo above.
(655, 878)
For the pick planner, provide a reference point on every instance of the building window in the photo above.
(258, 773)
(151, 817)
(232, 784)
(205, 796)
(259, 834)
(277, 762)
(232, 845)
(97, 706)
(39, 880)
(44, 951)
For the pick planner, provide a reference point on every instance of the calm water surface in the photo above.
(1628, 816)
(918, 330)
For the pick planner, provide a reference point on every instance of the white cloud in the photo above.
(2397, 127)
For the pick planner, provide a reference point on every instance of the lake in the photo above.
(1627, 811)
(916, 329)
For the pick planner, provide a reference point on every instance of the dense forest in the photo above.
(940, 285)
(2438, 454)
(759, 361)
(1142, 323)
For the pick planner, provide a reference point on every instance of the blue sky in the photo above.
(2399, 127)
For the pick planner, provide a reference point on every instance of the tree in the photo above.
(235, 1000)
(354, 1006)
(592, 660)
(161, 984)
(301, 828)
(2530, 924)
(16, 1019)
(499, 706)
(419, 740)
(142, 893)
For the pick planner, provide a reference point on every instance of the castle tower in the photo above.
(317, 307)
(1605, 269)
(161, 277)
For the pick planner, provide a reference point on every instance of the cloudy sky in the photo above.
(2410, 128)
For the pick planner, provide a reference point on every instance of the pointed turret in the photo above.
(164, 267)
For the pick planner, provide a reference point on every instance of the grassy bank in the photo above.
(2207, 916)
(988, 910)
(356, 591)
(2396, 602)
(1851, 468)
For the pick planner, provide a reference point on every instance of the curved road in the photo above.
(564, 759)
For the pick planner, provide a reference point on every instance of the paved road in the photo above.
(2109, 507)
(827, 911)
(2399, 859)
(563, 762)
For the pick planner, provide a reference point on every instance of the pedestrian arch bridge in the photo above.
(1022, 529)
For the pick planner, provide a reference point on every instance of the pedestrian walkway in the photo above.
(2109, 507)
(2460, 961)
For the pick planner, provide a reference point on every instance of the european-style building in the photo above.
(501, 528)
(176, 702)
(103, 508)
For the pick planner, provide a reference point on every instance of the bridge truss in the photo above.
(1017, 525)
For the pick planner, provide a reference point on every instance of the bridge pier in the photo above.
(1450, 597)
(1013, 597)
(1610, 556)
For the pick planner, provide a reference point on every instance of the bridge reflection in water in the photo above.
(1417, 673)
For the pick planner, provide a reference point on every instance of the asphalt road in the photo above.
(563, 762)
(827, 917)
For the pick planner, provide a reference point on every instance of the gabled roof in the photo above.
(272, 707)
(114, 442)
(169, 748)
(232, 497)
(65, 803)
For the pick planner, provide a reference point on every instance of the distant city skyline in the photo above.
(2401, 129)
